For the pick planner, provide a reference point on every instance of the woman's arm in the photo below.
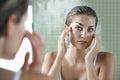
(91, 72)
(106, 64)
(51, 65)
(105, 61)
(107, 67)
(48, 62)
(89, 60)
(54, 68)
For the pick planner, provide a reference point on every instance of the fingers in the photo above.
(37, 48)
(65, 32)
(97, 42)
(61, 42)
(94, 50)
(26, 65)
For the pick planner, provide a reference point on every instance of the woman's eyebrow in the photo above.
(91, 26)
(80, 24)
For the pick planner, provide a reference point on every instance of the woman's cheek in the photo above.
(73, 37)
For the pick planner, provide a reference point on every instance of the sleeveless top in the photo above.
(17, 75)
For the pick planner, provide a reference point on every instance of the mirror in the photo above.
(49, 17)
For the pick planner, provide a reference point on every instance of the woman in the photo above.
(13, 14)
(79, 61)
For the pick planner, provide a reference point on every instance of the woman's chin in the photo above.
(82, 47)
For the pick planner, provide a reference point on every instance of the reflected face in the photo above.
(83, 29)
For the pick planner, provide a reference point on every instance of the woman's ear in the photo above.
(10, 25)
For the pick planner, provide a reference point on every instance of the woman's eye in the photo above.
(90, 30)
(79, 28)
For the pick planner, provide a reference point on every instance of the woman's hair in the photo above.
(80, 10)
(9, 7)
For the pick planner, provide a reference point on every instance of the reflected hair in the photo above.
(9, 7)
(80, 10)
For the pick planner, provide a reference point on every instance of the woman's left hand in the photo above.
(61, 42)
(90, 56)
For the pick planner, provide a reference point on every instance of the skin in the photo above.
(10, 43)
(12, 37)
(77, 62)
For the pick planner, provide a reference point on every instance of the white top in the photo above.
(17, 75)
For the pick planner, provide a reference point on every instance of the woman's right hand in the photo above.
(61, 42)
(37, 52)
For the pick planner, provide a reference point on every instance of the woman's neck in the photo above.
(76, 55)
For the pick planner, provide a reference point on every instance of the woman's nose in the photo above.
(83, 34)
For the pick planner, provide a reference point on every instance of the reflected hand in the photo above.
(61, 42)
(90, 56)
(37, 51)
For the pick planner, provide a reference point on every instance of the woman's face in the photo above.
(83, 29)
(14, 39)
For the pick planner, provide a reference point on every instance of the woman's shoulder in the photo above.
(48, 61)
(51, 55)
(105, 57)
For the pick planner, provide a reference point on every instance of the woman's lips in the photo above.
(82, 41)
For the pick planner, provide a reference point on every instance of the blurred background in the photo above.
(47, 17)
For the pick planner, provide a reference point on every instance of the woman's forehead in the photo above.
(83, 20)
